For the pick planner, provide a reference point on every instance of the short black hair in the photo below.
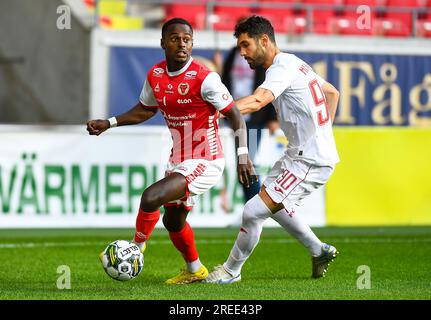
(175, 21)
(255, 26)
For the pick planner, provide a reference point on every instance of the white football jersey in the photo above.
(301, 110)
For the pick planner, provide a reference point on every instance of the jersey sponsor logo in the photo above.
(170, 86)
(157, 88)
(158, 72)
(183, 88)
(184, 101)
(190, 75)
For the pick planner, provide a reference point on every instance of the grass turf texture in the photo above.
(279, 268)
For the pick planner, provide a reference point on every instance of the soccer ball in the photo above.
(122, 260)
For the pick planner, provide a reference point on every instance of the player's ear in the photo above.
(264, 39)
(162, 44)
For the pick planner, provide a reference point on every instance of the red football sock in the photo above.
(145, 223)
(184, 241)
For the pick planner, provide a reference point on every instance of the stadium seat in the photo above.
(324, 15)
(423, 24)
(347, 23)
(110, 7)
(423, 28)
(287, 19)
(226, 16)
(114, 15)
(119, 22)
(397, 21)
(195, 14)
(90, 5)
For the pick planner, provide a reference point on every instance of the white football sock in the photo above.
(194, 266)
(255, 214)
(295, 225)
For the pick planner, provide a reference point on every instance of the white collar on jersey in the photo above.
(175, 73)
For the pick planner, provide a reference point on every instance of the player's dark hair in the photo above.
(175, 21)
(255, 27)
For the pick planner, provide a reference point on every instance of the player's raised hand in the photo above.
(246, 173)
(96, 127)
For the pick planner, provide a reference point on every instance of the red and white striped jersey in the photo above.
(189, 100)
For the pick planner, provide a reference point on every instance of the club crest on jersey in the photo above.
(190, 75)
(157, 72)
(183, 88)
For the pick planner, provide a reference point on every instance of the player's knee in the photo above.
(248, 214)
(254, 210)
(150, 201)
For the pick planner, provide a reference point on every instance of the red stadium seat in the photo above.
(348, 22)
(370, 3)
(195, 14)
(286, 19)
(91, 4)
(423, 28)
(397, 22)
(226, 16)
(323, 18)
(423, 24)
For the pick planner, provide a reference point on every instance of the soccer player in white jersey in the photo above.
(190, 98)
(306, 106)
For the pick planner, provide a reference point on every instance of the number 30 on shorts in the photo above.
(285, 181)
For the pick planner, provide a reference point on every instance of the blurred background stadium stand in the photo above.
(96, 68)
(401, 18)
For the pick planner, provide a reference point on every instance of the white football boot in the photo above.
(220, 275)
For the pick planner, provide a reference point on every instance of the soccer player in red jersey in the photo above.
(190, 97)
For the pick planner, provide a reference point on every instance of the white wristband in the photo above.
(112, 122)
(241, 151)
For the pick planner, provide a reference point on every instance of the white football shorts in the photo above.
(201, 175)
(290, 181)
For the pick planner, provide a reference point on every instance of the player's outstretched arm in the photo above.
(260, 98)
(332, 95)
(246, 173)
(135, 115)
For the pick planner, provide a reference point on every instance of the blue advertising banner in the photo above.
(375, 89)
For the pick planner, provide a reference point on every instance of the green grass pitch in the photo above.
(398, 258)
